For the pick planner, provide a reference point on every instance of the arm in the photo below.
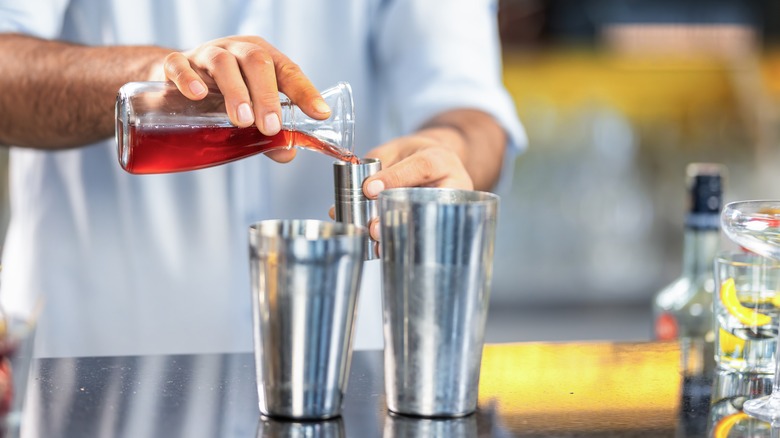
(483, 142)
(443, 83)
(59, 95)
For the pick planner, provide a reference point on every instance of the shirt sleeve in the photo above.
(433, 57)
(41, 18)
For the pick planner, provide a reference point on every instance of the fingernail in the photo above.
(374, 187)
(197, 88)
(321, 107)
(271, 124)
(245, 113)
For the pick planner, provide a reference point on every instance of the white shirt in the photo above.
(154, 264)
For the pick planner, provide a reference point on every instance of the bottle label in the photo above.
(666, 327)
(702, 221)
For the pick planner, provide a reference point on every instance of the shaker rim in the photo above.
(439, 195)
(305, 229)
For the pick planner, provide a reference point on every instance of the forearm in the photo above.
(478, 140)
(60, 95)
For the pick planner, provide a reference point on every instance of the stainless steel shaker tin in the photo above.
(437, 264)
(352, 206)
(305, 277)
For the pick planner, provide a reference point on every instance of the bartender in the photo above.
(157, 264)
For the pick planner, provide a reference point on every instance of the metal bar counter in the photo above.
(526, 390)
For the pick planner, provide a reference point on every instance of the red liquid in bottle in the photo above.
(167, 149)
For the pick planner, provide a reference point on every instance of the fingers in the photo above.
(177, 68)
(249, 72)
(226, 71)
(300, 90)
(373, 225)
(373, 186)
(246, 101)
(258, 77)
(373, 229)
(428, 167)
(390, 153)
(414, 162)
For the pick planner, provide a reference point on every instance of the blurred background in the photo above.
(617, 97)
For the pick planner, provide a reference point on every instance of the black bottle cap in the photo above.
(705, 194)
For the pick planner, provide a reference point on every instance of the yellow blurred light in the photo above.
(642, 87)
(578, 387)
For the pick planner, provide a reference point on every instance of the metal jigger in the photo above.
(352, 206)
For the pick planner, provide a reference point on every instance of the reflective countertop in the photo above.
(593, 389)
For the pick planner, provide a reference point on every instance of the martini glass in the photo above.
(755, 226)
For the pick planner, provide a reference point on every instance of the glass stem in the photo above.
(776, 382)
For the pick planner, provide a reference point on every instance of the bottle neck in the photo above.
(699, 248)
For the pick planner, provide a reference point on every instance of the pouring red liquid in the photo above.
(167, 149)
(159, 130)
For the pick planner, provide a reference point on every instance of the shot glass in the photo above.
(746, 312)
(352, 206)
(305, 278)
(437, 262)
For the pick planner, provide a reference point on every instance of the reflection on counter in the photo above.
(694, 406)
(585, 390)
(729, 391)
(272, 428)
(398, 426)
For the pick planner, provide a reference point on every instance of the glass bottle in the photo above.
(683, 309)
(159, 130)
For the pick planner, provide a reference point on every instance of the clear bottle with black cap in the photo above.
(683, 309)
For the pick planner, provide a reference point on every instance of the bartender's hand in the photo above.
(459, 149)
(429, 158)
(250, 73)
